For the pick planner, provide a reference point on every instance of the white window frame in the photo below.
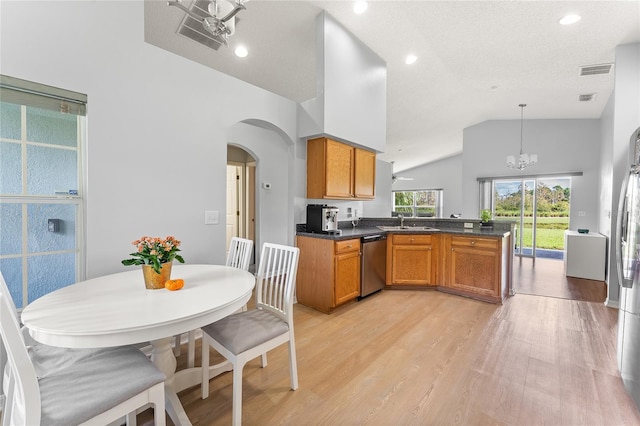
(438, 207)
(25, 199)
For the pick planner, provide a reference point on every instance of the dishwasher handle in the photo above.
(371, 238)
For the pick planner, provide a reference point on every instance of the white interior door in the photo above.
(232, 203)
(251, 202)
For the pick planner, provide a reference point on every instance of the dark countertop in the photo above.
(362, 231)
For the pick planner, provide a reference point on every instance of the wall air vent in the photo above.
(595, 69)
(587, 97)
(193, 29)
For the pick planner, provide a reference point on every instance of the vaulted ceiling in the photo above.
(477, 60)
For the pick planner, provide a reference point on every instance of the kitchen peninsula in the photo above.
(457, 256)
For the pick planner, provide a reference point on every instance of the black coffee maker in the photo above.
(322, 218)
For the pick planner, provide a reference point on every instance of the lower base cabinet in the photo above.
(410, 260)
(328, 272)
(477, 267)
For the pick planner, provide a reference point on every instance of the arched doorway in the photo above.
(274, 153)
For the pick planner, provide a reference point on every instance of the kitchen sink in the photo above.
(407, 228)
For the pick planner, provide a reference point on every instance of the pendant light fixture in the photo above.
(524, 160)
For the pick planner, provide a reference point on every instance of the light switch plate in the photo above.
(468, 225)
(211, 217)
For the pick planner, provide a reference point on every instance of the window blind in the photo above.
(21, 92)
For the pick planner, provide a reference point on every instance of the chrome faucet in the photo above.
(401, 217)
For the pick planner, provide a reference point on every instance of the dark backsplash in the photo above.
(441, 223)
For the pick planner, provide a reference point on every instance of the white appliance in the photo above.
(585, 255)
(628, 265)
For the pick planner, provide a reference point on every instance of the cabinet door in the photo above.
(475, 269)
(364, 174)
(412, 265)
(347, 277)
(411, 260)
(339, 170)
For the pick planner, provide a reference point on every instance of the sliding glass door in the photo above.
(540, 207)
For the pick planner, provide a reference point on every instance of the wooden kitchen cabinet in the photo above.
(328, 272)
(364, 173)
(476, 267)
(339, 171)
(411, 259)
(347, 271)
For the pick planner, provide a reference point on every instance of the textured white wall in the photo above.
(562, 146)
(383, 204)
(445, 174)
(158, 124)
(351, 103)
(355, 88)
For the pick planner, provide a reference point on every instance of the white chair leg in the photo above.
(264, 360)
(293, 365)
(236, 419)
(204, 385)
(191, 349)
(156, 396)
(176, 345)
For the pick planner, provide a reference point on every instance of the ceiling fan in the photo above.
(395, 178)
(221, 22)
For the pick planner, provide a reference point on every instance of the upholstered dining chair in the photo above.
(243, 336)
(239, 256)
(98, 389)
(43, 357)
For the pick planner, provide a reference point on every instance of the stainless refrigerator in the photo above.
(628, 262)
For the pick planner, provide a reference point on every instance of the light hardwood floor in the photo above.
(545, 277)
(425, 357)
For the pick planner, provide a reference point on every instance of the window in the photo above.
(41, 208)
(423, 203)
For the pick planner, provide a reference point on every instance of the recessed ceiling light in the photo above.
(360, 6)
(241, 51)
(410, 59)
(569, 19)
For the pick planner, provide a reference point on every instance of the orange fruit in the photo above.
(174, 285)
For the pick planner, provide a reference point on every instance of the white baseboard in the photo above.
(612, 303)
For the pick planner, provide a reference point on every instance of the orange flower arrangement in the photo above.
(155, 251)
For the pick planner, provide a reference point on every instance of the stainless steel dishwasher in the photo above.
(373, 264)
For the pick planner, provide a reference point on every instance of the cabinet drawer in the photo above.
(409, 239)
(485, 243)
(347, 246)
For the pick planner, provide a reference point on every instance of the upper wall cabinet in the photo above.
(339, 171)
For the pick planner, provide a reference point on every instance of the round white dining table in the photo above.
(117, 309)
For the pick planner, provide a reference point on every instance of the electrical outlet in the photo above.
(211, 217)
(468, 225)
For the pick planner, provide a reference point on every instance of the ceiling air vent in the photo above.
(595, 69)
(587, 97)
(193, 29)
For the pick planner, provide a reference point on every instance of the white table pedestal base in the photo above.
(164, 358)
